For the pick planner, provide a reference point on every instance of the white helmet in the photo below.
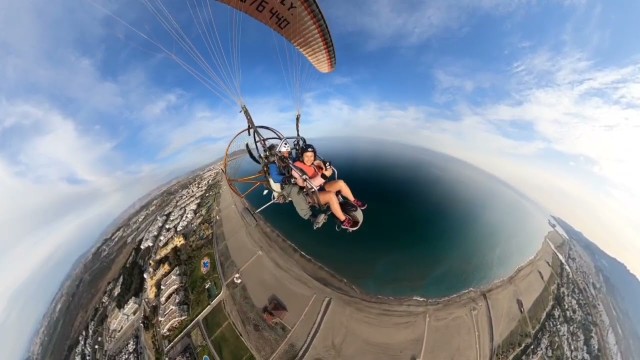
(284, 146)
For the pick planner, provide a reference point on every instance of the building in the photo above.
(172, 313)
(171, 283)
(173, 303)
(176, 241)
(153, 278)
(173, 318)
(118, 319)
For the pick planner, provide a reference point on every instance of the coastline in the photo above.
(355, 324)
(335, 282)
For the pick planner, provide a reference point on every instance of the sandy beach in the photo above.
(328, 318)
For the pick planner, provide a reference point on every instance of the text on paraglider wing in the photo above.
(281, 21)
(277, 9)
(290, 5)
(260, 5)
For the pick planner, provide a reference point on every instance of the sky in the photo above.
(543, 94)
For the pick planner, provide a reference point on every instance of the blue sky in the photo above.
(544, 94)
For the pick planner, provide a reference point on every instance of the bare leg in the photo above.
(339, 185)
(327, 197)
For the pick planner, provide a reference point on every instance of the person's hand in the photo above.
(288, 180)
(328, 171)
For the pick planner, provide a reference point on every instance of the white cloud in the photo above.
(37, 39)
(82, 141)
(64, 224)
(581, 110)
(51, 147)
(62, 179)
(46, 217)
(387, 22)
(68, 158)
(160, 106)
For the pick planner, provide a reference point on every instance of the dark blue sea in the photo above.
(435, 226)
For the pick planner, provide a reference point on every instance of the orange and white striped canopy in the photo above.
(299, 21)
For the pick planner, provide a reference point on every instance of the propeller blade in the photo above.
(253, 157)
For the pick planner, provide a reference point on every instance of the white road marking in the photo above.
(424, 341)
(294, 327)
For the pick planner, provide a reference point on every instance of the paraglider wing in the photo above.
(299, 21)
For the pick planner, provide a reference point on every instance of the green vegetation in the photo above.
(228, 344)
(197, 281)
(100, 316)
(226, 341)
(538, 309)
(556, 264)
(200, 344)
(214, 320)
(149, 337)
(202, 351)
(264, 338)
(132, 280)
(197, 338)
(196, 291)
(199, 244)
(519, 336)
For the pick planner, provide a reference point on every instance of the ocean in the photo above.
(434, 226)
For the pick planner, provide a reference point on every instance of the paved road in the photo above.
(197, 320)
(206, 337)
(315, 329)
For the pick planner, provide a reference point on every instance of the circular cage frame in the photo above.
(260, 138)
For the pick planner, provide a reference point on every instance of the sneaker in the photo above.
(359, 204)
(348, 223)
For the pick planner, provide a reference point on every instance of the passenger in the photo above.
(280, 172)
(318, 173)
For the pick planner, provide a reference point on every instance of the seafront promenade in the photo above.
(327, 318)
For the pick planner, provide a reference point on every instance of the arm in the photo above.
(325, 171)
(316, 181)
(299, 180)
(275, 173)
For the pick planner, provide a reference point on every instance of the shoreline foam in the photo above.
(400, 300)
